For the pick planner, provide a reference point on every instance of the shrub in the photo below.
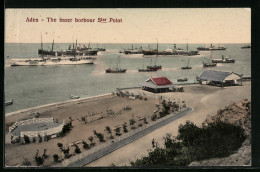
(85, 145)
(100, 137)
(124, 127)
(154, 117)
(38, 159)
(66, 152)
(44, 155)
(108, 129)
(77, 149)
(95, 132)
(118, 131)
(26, 139)
(39, 139)
(56, 158)
(34, 140)
(218, 139)
(60, 145)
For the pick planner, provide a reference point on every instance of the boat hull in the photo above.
(51, 63)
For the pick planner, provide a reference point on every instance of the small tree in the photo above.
(118, 131)
(95, 132)
(44, 155)
(26, 139)
(46, 138)
(56, 158)
(66, 152)
(34, 140)
(154, 117)
(85, 145)
(83, 119)
(132, 122)
(100, 137)
(60, 145)
(38, 159)
(124, 127)
(108, 129)
(77, 149)
(145, 121)
(91, 141)
(39, 138)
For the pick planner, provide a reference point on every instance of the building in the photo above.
(158, 85)
(219, 78)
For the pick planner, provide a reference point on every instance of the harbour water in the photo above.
(31, 86)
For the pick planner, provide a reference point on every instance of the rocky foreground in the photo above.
(237, 114)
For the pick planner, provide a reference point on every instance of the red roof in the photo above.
(161, 81)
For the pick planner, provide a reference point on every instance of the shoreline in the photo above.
(55, 104)
(92, 97)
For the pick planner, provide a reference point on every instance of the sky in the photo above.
(145, 25)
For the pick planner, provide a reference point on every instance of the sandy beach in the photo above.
(109, 110)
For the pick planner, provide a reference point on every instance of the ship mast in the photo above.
(52, 45)
(41, 46)
(156, 52)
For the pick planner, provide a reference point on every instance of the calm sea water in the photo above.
(38, 85)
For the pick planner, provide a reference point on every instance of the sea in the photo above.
(31, 86)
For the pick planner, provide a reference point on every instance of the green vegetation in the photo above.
(56, 158)
(77, 149)
(85, 145)
(125, 127)
(154, 117)
(39, 160)
(217, 139)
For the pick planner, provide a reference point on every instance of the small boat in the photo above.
(74, 97)
(246, 46)
(9, 102)
(148, 70)
(182, 79)
(209, 64)
(155, 67)
(187, 67)
(115, 70)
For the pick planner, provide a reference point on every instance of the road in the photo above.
(111, 148)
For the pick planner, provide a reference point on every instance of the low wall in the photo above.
(43, 133)
(29, 121)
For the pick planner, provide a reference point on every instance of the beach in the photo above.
(108, 110)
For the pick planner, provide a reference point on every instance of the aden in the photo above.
(31, 19)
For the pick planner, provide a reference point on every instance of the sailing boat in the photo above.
(209, 64)
(155, 67)
(187, 67)
(117, 69)
(147, 69)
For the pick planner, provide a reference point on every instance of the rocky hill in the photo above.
(237, 114)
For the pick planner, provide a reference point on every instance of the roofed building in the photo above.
(157, 85)
(219, 78)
